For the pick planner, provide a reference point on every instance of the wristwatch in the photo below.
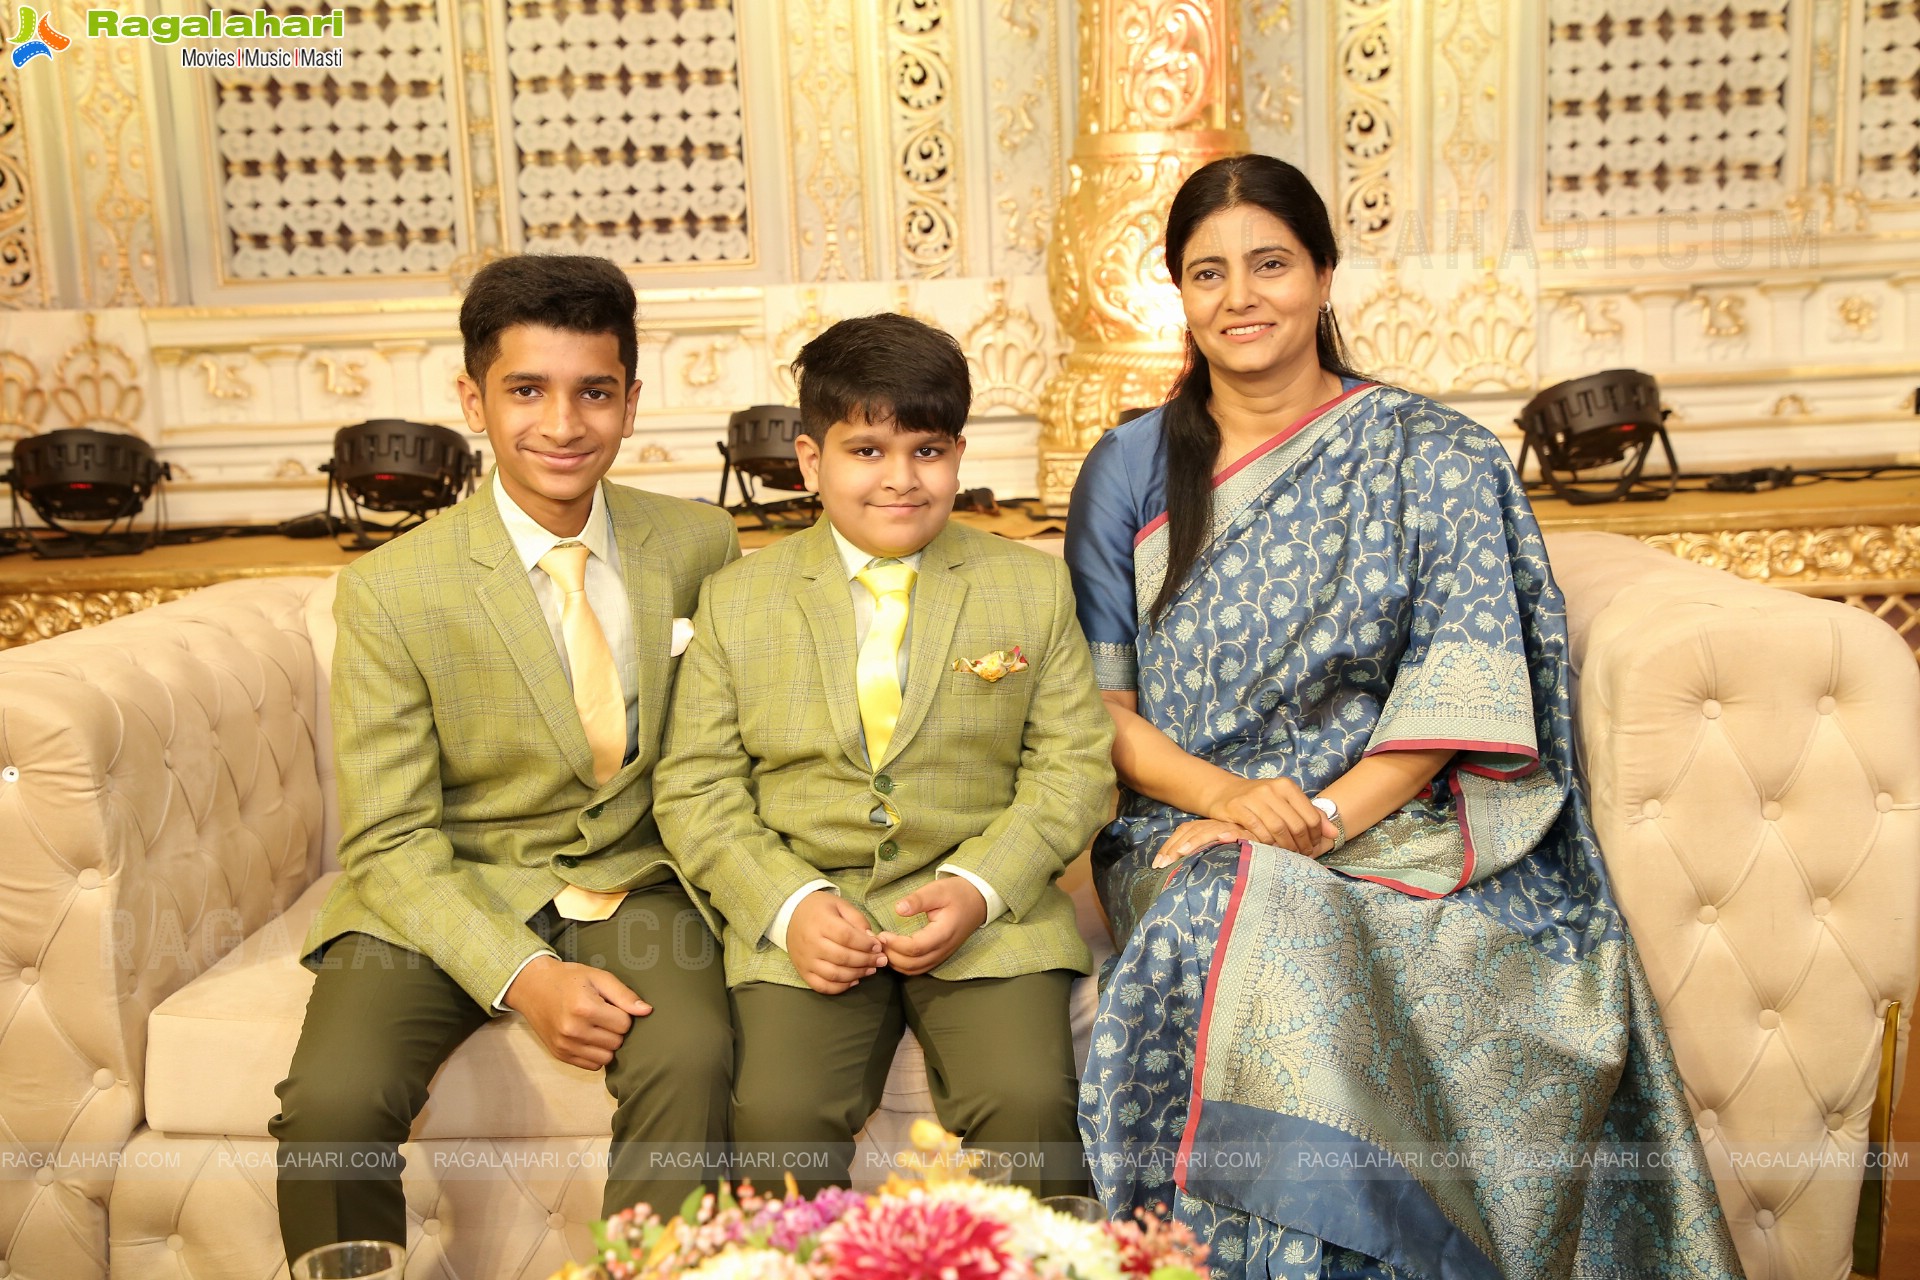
(1332, 811)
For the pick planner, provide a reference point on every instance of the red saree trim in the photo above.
(1258, 451)
(1206, 1015)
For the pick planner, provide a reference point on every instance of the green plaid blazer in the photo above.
(466, 784)
(764, 782)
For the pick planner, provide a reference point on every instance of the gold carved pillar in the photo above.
(1159, 97)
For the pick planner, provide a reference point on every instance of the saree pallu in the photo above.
(1432, 1053)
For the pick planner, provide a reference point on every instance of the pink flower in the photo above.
(916, 1236)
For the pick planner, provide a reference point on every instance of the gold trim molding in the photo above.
(1850, 554)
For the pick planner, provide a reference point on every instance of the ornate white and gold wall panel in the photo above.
(1726, 194)
(23, 281)
(243, 402)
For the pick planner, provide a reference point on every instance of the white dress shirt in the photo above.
(863, 607)
(606, 592)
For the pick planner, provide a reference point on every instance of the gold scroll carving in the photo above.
(27, 616)
(1159, 97)
(1795, 557)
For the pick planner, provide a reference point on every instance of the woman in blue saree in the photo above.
(1382, 1017)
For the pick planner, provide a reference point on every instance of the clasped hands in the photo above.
(1271, 811)
(830, 943)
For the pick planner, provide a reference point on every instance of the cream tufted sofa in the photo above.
(1754, 759)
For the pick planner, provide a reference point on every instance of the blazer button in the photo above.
(889, 851)
(595, 810)
(883, 784)
(566, 860)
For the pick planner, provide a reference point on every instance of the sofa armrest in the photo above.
(1753, 764)
(159, 801)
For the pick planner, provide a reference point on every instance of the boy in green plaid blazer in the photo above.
(885, 746)
(499, 684)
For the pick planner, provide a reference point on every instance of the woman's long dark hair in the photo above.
(1193, 437)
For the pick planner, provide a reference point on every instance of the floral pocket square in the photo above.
(993, 666)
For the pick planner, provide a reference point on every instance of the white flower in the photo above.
(749, 1264)
(1035, 1233)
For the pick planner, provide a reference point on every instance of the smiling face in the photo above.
(888, 491)
(555, 406)
(1252, 294)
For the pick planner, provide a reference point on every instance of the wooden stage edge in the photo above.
(1857, 541)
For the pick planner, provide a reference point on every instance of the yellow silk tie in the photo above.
(878, 671)
(596, 696)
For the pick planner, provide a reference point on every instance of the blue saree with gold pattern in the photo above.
(1433, 1052)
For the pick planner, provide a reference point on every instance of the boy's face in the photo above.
(889, 492)
(555, 407)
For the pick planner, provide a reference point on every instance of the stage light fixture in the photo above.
(758, 451)
(77, 473)
(1600, 420)
(390, 464)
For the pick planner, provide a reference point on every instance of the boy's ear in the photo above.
(806, 450)
(633, 406)
(473, 403)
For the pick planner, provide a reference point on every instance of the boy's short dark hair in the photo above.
(555, 291)
(881, 367)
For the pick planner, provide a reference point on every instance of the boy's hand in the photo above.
(579, 1012)
(830, 944)
(954, 909)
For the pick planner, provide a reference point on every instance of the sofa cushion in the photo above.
(217, 1047)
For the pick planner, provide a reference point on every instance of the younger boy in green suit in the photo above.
(499, 684)
(885, 746)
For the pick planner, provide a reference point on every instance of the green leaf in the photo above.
(690, 1207)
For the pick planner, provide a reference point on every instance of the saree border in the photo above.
(1150, 544)
(1227, 922)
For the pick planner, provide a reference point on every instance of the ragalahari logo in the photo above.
(36, 38)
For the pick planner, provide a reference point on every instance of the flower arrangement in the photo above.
(950, 1227)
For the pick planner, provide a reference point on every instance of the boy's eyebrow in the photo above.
(591, 380)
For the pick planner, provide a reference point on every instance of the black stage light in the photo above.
(759, 450)
(390, 464)
(80, 474)
(1598, 421)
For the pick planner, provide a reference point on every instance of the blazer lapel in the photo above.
(938, 594)
(827, 602)
(649, 583)
(507, 597)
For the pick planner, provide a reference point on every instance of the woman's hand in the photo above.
(1201, 833)
(1275, 810)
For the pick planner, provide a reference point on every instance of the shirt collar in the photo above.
(531, 540)
(855, 559)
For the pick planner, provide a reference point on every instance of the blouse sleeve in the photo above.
(1100, 529)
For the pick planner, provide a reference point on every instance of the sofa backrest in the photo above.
(159, 801)
(1753, 762)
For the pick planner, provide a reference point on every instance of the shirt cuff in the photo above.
(777, 931)
(500, 1001)
(996, 905)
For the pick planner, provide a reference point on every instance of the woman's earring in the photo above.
(1326, 308)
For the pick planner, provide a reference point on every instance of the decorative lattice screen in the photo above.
(342, 172)
(627, 125)
(1890, 100)
(1658, 106)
